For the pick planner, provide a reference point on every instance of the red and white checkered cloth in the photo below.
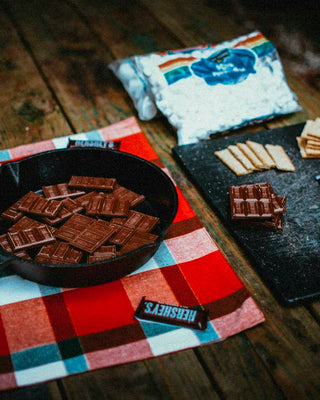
(48, 332)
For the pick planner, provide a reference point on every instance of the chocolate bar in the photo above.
(94, 236)
(63, 215)
(6, 246)
(257, 205)
(34, 203)
(12, 213)
(187, 317)
(72, 206)
(83, 201)
(103, 253)
(60, 191)
(69, 208)
(94, 143)
(107, 206)
(92, 183)
(251, 201)
(59, 253)
(30, 238)
(126, 194)
(277, 201)
(137, 220)
(137, 240)
(73, 226)
(122, 235)
(24, 223)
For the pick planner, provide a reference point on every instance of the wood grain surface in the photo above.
(54, 81)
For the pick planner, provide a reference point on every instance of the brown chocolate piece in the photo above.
(23, 254)
(122, 235)
(94, 236)
(5, 244)
(277, 201)
(103, 253)
(63, 215)
(187, 317)
(24, 223)
(92, 183)
(251, 201)
(126, 194)
(7, 247)
(257, 205)
(107, 206)
(34, 203)
(72, 206)
(12, 213)
(137, 220)
(137, 240)
(83, 201)
(73, 226)
(69, 208)
(30, 238)
(59, 253)
(60, 191)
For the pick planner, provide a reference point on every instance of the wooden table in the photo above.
(55, 81)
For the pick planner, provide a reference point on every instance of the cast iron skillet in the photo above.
(57, 166)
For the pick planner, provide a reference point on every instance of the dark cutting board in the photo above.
(288, 261)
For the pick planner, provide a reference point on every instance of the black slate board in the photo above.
(288, 261)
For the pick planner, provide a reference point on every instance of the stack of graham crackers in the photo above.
(245, 158)
(309, 141)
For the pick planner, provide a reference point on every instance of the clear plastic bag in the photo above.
(216, 88)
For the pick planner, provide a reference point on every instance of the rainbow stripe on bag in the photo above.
(180, 67)
(257, 43)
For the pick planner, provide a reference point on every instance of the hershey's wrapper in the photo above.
(187, 317)
(114, 145)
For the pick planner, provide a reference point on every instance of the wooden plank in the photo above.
(254, 381)
(181, 375)
(29, 112)
(72, 61)
(160, 378)
(48, 391)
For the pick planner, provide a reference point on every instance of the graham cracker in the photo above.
(315, 152)
(237, 153)
(314, 143)
(311, 130)
(227, 158)
(261, 153)
(250, 154)
(302, 147)
(280, 157)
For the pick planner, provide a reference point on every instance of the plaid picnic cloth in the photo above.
(49, 332)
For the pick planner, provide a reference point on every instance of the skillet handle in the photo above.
(4, 260)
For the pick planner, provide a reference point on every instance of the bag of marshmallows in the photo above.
(210, 88)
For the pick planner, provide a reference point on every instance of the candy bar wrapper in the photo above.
(211, 88)
(187, 317)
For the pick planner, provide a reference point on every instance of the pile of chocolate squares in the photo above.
(88, 219)
(257, 205)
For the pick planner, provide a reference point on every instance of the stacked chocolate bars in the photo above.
(257, 205)
(88, 219)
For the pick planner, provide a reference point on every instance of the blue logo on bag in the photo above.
(227, 67)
